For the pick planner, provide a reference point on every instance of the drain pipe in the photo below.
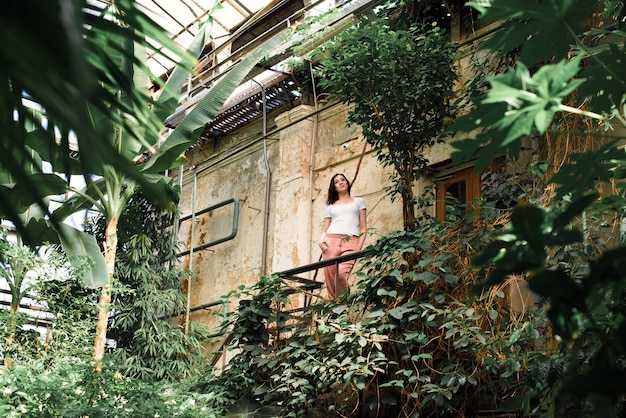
(312, 162)
(268, 181)
(191, 238)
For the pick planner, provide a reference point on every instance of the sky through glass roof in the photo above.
(181, 19)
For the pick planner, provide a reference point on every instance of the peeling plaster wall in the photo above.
(305, 150)
(230, 168)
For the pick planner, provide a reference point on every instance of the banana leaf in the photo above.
(189, 129)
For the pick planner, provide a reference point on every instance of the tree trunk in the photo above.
(408, 211)
(8, 343)
(16, 297)
(406, 173)
(110, 248)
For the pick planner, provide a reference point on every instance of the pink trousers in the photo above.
(337, 276)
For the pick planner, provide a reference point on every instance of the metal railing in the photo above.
(233, 232)
(305, 284)
(291, 274)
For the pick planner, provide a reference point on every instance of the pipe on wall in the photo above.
(268, 181)
(192, 233)
(312, 158)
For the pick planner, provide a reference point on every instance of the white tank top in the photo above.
(344, 217)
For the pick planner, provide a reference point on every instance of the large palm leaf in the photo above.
(52, 68)
(189, 129)
(108, 193)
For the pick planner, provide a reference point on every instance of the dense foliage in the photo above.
(150, 286)
(569, 246)
(51, 369)
(71, 389)
(408, 341)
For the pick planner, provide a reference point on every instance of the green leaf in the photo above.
(397, 312)
(558, 286)
(607, 81)
(493, 314)
(608, 268)
(572, 210)
(22, 195)
(170, 94)
(516, 104)
(427, 277)
(78, 244)
(540, 28)
(527, 223)
(532, 100)
(41, 142)
(40, 232)
(81, 201)
(385, 292)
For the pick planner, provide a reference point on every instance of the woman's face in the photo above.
(341, 184)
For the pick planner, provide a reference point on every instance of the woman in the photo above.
(343, 232)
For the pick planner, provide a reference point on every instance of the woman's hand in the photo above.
(322, 243)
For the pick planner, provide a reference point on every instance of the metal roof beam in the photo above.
(237, 5)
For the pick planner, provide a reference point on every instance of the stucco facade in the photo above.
(302, 150)
(278, 174)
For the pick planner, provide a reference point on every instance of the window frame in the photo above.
(451, 175)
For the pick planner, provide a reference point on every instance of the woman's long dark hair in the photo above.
(333, 196)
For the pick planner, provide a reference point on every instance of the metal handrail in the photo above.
(287, 275)
(234, 229)
(324, 263)
(291, 274)
(192, 309)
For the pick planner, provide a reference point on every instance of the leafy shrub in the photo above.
(399, 82)
(71, 389)
(147, 344)
(409, 341)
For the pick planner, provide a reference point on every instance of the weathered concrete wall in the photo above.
(304, 150)
(230, 168)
